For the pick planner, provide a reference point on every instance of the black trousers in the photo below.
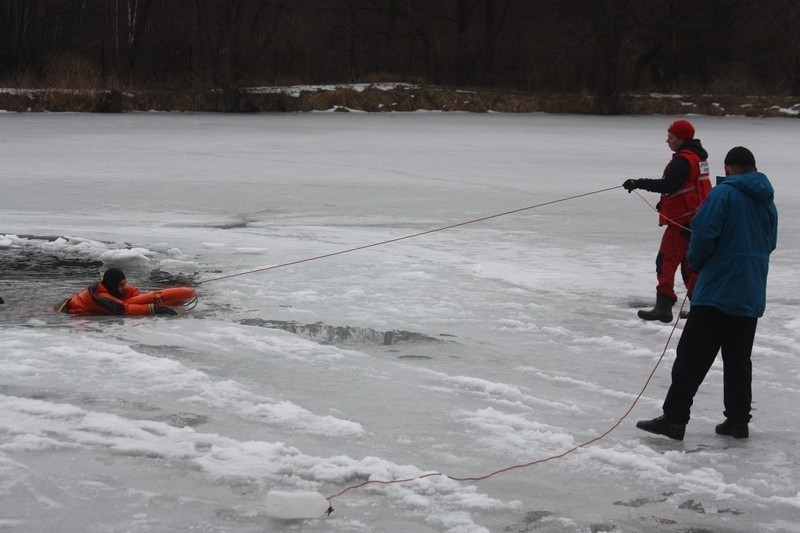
(707, 331)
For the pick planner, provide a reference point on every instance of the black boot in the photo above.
(663, 426)
(662, 310)
(737, 430)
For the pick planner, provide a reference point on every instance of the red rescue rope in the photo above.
(552, 457)
(536, 461)
(671, 221)
(451, 226)
(421, 233)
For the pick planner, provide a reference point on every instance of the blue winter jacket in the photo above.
(733, 233)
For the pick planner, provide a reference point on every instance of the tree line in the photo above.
(603, 47)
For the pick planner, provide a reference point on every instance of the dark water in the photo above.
(342, 335)
(33, 280)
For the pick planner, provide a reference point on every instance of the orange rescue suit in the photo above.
(96, 300)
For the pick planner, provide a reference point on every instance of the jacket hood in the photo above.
(695, 146)
(753, 184)
(111, 280)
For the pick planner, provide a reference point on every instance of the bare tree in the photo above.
(604, 47)
(20, 37)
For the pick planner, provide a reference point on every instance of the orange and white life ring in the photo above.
(172, 297)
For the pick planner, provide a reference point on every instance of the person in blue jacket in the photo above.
(733, 234)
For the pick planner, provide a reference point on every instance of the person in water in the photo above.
(108, 297)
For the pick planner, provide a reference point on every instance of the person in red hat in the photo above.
(108, 297)
(683, 187)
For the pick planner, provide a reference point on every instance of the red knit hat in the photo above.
(682, 129)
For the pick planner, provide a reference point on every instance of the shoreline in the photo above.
(384, 97)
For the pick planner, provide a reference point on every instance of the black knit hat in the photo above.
(111, 280)
(740, 156)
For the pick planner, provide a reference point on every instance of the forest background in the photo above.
(588, 56)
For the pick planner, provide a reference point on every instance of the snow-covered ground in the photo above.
(462, 351)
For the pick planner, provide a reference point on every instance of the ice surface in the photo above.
(463, 351)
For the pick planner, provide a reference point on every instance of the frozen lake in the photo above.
(462, 351)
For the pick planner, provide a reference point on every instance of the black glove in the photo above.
(631, 185)
(164, 311)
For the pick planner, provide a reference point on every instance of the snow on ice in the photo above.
(460, 352)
